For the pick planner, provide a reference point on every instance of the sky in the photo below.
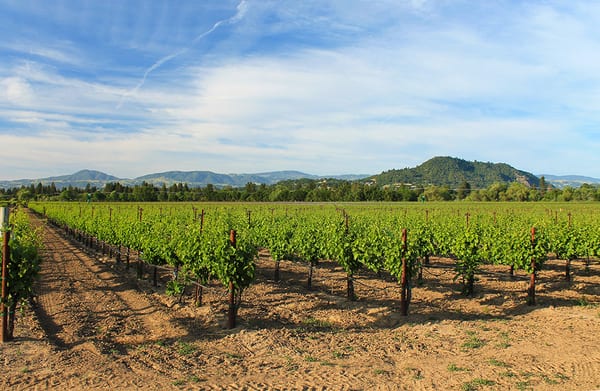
(324, 87)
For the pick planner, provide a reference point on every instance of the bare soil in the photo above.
(93, 325)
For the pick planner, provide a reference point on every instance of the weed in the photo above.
(523, 385)
(475, 383)
(474, 342)
(337, 354)
(504, 340)
(310, 359)
(417, 375)
(380, 372)
(317, 323)
(290, 365)
(498, 363)
(455, 368)
(583, 302)
(186, 348)
(179, 382)
(562, 377)
(234, 356)
(549, 380)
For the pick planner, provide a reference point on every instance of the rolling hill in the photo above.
(451, 172)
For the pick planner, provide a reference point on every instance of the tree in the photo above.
(543, 186)
(463, 191)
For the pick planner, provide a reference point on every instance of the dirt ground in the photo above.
(95, 326)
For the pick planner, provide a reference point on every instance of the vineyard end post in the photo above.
(531, 290)
(3, 307)
(404, 278)
(232, 310)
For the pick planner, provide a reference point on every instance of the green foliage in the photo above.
(25, 244)
(495, 234)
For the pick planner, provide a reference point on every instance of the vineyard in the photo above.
(308, 296)
(207, 242)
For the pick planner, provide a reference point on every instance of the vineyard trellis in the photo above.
(222, 241)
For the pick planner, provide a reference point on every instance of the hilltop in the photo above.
(452, 172)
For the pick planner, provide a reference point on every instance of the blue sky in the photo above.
(325, 87)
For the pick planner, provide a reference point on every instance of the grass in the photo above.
(549, 380)
(290, 365)
(380, 372)
(417, 375)
(186, 349)
(498, 363)
(504, 340)
(234, 356)
(310, 359)
(455, 368)
(317, 323)
(523, 385)
(583, 302)
(562, 377)
(476, 383)
(473, 342)
(339, 355)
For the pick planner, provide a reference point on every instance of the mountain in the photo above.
(202, 178)
(451, 172)
(193, 178)
(561, 181)
(83, 175)
(79, 179)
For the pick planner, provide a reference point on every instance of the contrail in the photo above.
(239, 15)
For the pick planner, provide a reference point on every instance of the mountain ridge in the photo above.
(84, 177)
(439, 170)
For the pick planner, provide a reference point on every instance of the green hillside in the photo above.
(451, 172)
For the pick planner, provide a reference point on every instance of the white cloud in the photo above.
(15, 90)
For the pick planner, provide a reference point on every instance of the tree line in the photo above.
(302, 190)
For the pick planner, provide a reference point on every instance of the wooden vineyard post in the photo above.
(232, 309)
(350, 278)
(140, 267)
(404, 279)
(198, 295)
(202, 220)
(531, 290)
(3, 307)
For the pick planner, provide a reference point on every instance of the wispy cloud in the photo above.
(241, 11)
